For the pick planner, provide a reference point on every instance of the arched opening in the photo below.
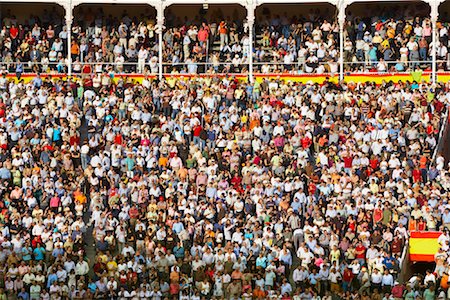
(31, 28)
(26, 13)
(394, 39)
(110, 36)
(284, 33)
(205, 38)
(444, 11)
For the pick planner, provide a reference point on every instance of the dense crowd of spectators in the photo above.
(218, 189)
(216, 43)
(395, 39)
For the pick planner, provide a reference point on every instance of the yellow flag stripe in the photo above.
(423, 246)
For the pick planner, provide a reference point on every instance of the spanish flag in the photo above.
(423, 245)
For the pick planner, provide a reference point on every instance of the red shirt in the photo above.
(348, 162)
(360, 248)
(348, 276)
(118, 139)
(87, 70)
(306, 142)
(13, 32)
(74, 140)
(416, 175)
(421, 226)
(197, 130)
(312, 188)
(48, 147)
(236, 181)
(35, 241)
(397, 291)
(202, 35)
(374, 163)
(438, 106)
(174, 288)
(352, 226)
(2, 110)
(133, 212)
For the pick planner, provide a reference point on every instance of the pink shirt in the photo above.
(54, 202)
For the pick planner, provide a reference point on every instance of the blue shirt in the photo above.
(92, 286)
(399, 67)
(37, 82)
(446, 218)
(39, 253)
(178, 252)
(26, 253)
(130, 163)
(177, 227)
(5, 173)
(261, 262)
(373, 54)
(19, 68)
(387, 261)
(295, 205)
(56, 134)
(23, 295)
(57, 252)
(313, 278)
(51, 278)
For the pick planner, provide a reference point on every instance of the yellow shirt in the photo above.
(171, 82)
(407, 29)
(374, 188)
(385, 44)
(391, 33)
(335, 254)
(377, 39)
(111, 266)
(163, 161)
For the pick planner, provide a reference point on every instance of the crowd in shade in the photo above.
(214, 188)
(213, 42)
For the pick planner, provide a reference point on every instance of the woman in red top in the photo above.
(421, 225)
(123, 278)
(118, 140)
(417, 176)
(351, 224)
(377, 215)
(13, 32)
(374, 163)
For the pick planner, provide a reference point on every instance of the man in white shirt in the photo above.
(334, 278)
(142, 57)
(387, 282)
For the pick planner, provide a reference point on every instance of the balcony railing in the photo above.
(205, 68)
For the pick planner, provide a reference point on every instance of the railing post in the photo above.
(434, 14)
(68, 7)
(160, 27)
(341, 19)
(251, 23)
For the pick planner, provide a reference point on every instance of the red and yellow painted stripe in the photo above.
(423, 245)
(378, 78)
